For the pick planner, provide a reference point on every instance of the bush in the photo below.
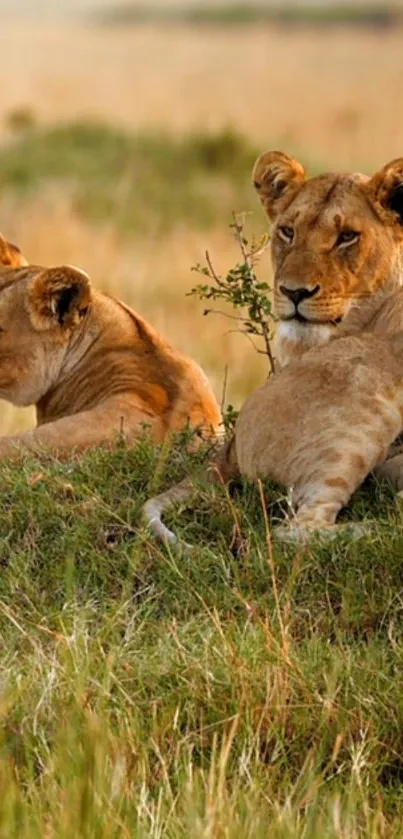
(135, 181)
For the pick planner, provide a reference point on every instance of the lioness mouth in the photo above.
(301, 319)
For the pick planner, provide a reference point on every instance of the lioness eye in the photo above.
(347, 237)
(286, 233)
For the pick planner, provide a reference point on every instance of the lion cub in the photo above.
(318, 427)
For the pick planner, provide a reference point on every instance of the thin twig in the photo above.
(248, 336)
(249, 262)
(213, 271)
(224, 315)
(224, 388)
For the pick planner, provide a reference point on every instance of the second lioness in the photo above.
(91, 365)
(337, 254)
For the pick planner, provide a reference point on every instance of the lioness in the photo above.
(337, 254)
(90, 364)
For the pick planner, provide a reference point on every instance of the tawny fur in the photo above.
(318, 427)
(323, 423)
(92, 366)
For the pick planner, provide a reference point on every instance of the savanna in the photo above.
(249, 690)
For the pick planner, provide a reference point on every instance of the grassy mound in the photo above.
(226, 694)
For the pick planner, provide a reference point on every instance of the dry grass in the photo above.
(334, 93)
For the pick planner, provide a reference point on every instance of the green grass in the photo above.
(138, 182)
(240, 13)
(150, 695)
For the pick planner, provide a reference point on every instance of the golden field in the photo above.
(332, 96)
(333, 93)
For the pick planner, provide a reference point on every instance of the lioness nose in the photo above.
(298, 294)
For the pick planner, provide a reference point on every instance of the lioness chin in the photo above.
(93, 368)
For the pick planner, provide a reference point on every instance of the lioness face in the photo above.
(337, 239)
(39, 311)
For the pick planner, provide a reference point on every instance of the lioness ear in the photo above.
(386, 191)
(10, 254)
(59, 297)
(277, 178)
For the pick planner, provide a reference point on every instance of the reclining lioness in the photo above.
(92, 367)
(337, 255)
(318, 427)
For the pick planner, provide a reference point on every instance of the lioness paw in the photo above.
(295, 532)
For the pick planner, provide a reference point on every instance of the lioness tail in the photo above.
(155, 507)
(223, 468)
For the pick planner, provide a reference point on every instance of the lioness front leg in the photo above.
(318, 503)
(81, 431)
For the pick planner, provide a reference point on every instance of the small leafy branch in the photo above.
(241, 289)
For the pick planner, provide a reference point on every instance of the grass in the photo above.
(238, 14)
(145, 694)
(215, 78)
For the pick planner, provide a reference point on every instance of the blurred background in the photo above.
(128, 131)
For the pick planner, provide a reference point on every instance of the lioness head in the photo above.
(337, 247)
(41, 310)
